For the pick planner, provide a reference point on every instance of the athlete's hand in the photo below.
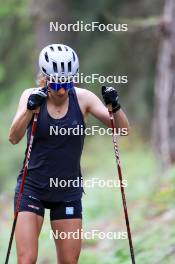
(36, 98)
(110, 97)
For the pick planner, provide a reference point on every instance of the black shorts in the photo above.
(58, 210)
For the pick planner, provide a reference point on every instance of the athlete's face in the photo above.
(60, 93)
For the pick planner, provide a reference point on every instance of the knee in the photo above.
(27, 258)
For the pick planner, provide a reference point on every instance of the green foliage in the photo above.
(15, 45)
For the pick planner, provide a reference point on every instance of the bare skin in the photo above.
(29, 224)
(71, 246)
(26, 234)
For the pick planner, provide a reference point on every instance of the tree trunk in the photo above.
(163, 121)
(42, 12)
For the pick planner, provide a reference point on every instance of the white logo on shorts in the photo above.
(69, 210)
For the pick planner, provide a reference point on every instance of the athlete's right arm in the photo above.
(22, 118)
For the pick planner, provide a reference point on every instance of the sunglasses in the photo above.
(57, 86)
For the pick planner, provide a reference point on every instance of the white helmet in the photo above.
(58, 60)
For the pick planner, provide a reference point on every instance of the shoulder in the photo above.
(26, 93)
(84, 94)
(84, 97)
(88, 101)
(82, 91)
(30, 90)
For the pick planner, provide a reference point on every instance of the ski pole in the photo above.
(117, 156)
(25, 167)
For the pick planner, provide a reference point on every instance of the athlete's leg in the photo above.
(27, 230)
(26, 234)
(68, 249)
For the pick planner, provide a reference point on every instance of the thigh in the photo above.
(66, 220)
(28, 226)
(68, 245)
(27, 231)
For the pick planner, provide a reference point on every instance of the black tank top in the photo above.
(55, 158)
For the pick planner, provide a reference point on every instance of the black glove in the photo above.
(110, 97)
(36, 98)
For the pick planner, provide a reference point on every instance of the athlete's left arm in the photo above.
(99, 110)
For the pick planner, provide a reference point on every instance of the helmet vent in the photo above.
(46, 57)
(44, 70)
(66, 48)
(55, 67)
(73, 56)
(59, 48)
(62, 67)
(69, 66)
(52, 49)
